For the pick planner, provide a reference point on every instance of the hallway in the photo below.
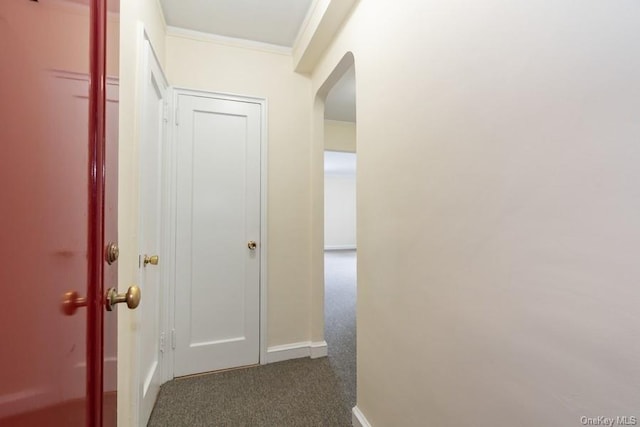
(300, 392)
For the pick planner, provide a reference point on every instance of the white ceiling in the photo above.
(268, 21)
(341, 99)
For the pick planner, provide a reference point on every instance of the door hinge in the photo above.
(177, 115)
(165, 114)
(173, 339)
(162, 342)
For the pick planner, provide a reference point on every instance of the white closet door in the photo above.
(218, 217)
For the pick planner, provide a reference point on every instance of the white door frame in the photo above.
(146, 54)
(169, 226)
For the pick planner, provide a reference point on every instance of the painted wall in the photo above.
(134, 15)
(198, 63)
(339, 211)
(498, 209)
(339, 136)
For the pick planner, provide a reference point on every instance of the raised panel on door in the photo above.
(152, 133)
(218, 214)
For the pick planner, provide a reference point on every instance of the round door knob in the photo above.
(71, 302)
(153, 260)
(131, 297)
(252, 245)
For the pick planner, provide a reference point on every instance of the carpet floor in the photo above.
(300, 392)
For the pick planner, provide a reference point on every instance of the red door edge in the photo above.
(95, 296)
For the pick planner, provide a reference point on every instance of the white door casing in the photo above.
(152, 135)
(218, 212)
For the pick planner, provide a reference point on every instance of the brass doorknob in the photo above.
(252, 245)
(153, 260)
(131, 297)
(71, 301)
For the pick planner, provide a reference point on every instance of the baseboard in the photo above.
(358, 419)
(280, 353)
(318, 349)
(340, 248)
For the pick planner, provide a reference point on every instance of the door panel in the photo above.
(44, 182)
(218, 213)
(44, 233)
(152, 129)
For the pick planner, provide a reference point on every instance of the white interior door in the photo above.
(217, 296)
(153, 93)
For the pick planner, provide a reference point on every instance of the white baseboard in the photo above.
(358, 419)
(318, 349)
(280, 353)
(340, 247)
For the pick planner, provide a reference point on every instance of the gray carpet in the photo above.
(340, 318)
(301, 392)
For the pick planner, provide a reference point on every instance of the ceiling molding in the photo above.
(228, 41)
(306, 22)
(324, 21)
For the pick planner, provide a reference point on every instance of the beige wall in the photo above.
(200, 64)
(339, 136)
(498, 210)
(135, 14)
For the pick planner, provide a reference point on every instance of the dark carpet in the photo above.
(301, 392)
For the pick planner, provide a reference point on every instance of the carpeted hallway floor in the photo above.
(301, 392)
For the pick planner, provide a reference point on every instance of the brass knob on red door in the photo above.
(252, 245)
(71, 301)
(131, 297)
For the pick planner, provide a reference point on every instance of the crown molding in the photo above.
(227, 41)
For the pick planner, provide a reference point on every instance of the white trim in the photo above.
(147, 63)
(319, 31)
(171, 170)
(306, 22)
(358, 419)
(318, 349)
(280, 353)
(340, 248)
(264, 167)
(169, 226)
(228, 41)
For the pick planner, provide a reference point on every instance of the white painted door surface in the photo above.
(217, 215)
(151, 142)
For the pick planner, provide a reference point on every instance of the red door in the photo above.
(58, 194)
